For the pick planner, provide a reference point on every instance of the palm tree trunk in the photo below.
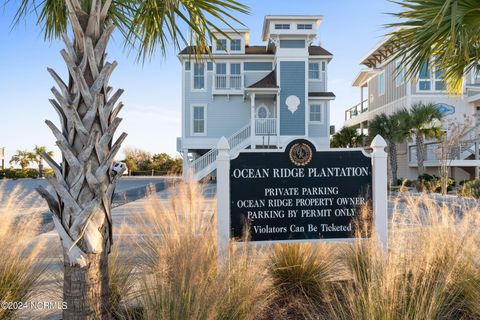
(81, 289)
(40, 169)
(393, 162)
(84, 184)
(420, 153)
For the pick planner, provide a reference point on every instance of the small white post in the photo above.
(380, 195)
(223, 197)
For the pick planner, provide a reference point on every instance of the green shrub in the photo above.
(471, 189)
(431, 183)
(12, 173)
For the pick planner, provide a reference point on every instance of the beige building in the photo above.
(384, 90)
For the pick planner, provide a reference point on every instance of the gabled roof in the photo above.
(269, 81)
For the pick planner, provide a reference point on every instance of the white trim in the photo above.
(321, 98)
(264, 106)
(205, 82)
(204, 133)
(228, 73)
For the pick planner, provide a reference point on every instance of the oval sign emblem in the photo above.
(300, 154)
(445, 109)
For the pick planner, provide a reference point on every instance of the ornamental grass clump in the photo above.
(302, 276)
(182, 276)
(20, 263)
(431, 270)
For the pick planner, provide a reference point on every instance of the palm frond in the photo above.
(445, 29)
(147, 25)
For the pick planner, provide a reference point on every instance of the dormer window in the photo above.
(282, 26)
(221, 45)
(302, 26)
(236, 45)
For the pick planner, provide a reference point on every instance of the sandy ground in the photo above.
(51, 282)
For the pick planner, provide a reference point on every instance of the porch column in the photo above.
(477, 168)
(186, 166)
(361, 98)
(252, 120)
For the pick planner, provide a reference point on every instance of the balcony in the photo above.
(228, 83)
(265, 126)
(465, 153)
(356, 110)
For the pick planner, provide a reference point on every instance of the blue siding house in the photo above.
(258, 97)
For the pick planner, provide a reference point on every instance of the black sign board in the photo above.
(298, 193)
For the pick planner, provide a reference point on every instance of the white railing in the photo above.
(237, 141)
(265, 126)
(228, 82)
(434, 151)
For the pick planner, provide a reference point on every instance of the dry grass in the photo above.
(170, 267)
(431, 270)
(20, 264)
(183, 277)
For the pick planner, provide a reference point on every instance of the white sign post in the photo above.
(379, 192)
(223, 196)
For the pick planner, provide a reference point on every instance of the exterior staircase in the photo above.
(465, 150)
(204, 165)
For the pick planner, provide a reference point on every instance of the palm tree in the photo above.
(392, 129)
(422, 121)
(36, 156)
(21, 157)
(347, 137)
(88, 108)
(446, 29)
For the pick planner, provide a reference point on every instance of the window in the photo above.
(282, 26)
(430, 78)
(235, 68)
(221, 68)
(228, 76)
(315, 113)
(313, 71)
(302, 26)
(221, 45)
(262, 112)
(399, 73)
(236, 45)
(198, 76)
(381, 83)
(199, 120)
(439, 84)
(424, 83)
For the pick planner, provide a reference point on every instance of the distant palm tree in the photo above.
(22, 158)
(392, 129)
(422, 121)
(84, 183)
(347, 137)
(445, 29)
(36, 156)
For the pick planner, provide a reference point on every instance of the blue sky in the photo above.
(151, 115)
